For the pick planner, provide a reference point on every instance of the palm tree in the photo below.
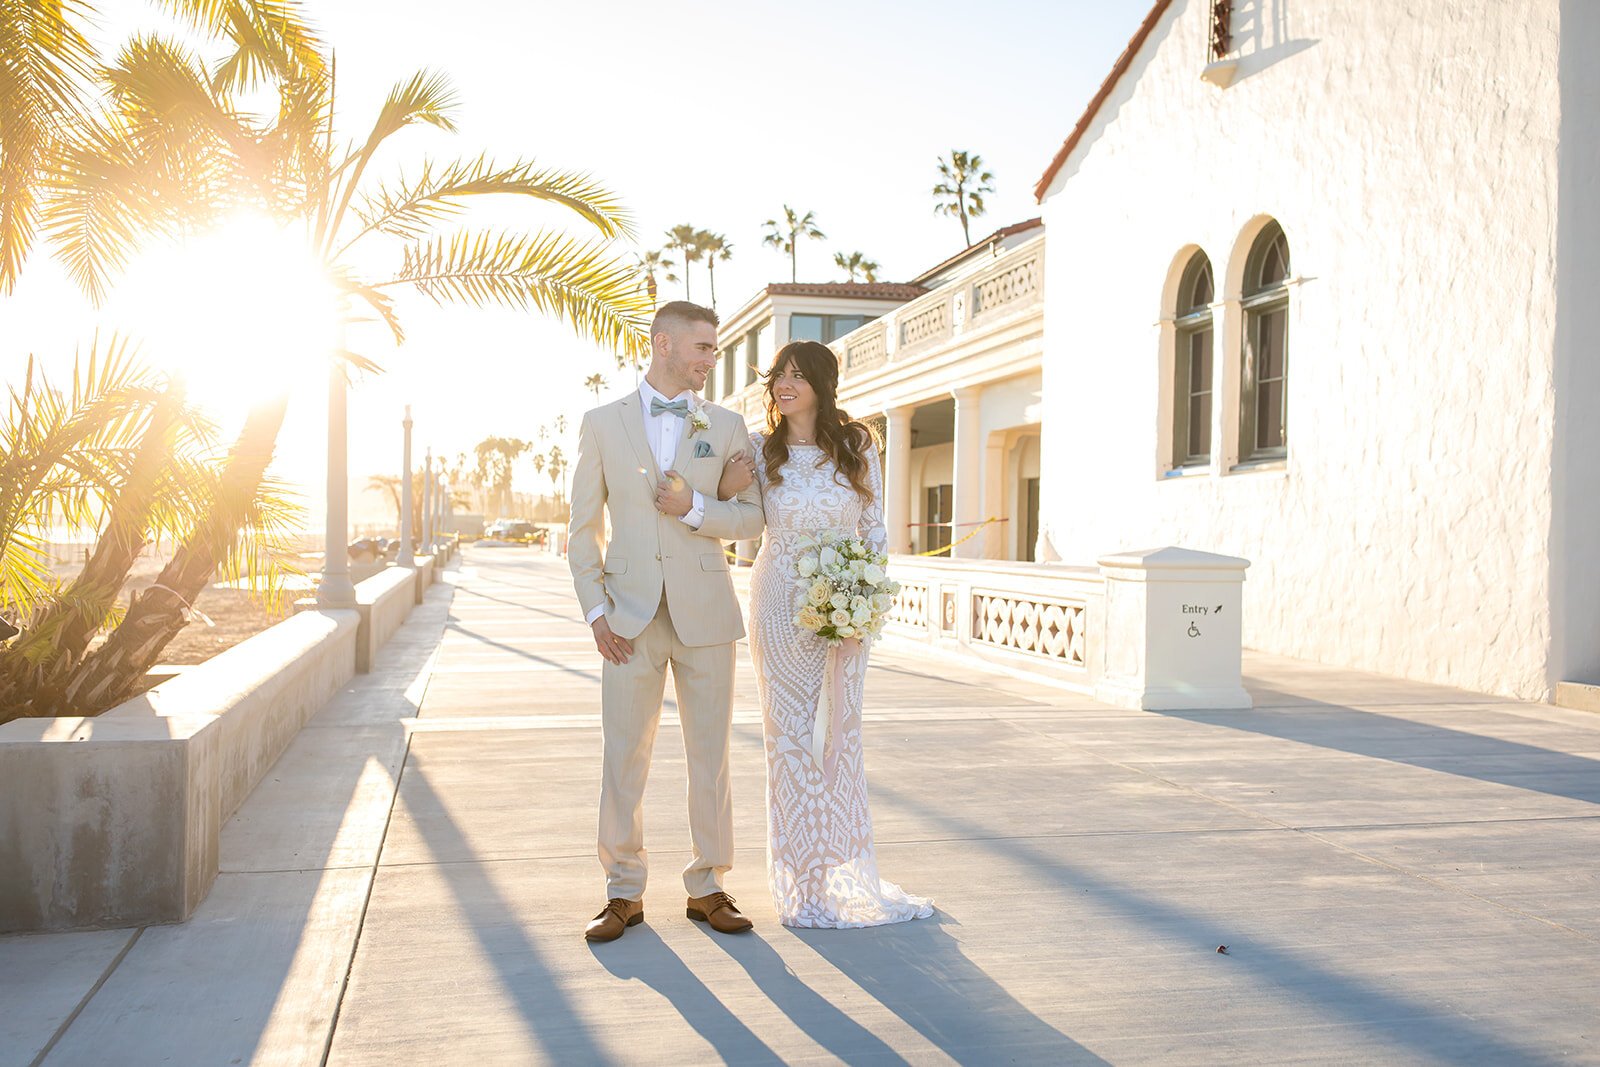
(716, 247)
(685, 239)
(962, 188)
(856, 263)
(556, 463)
(596, 382)
(652, 265)
(786, 237)
(174, 152)
(122, 454)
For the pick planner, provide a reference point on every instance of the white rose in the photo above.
(859, 603)
(840, 618)
(861, 617)
(882, 602)
(846, 631)
(873, 573)
(807, 566)
(818, 593)
(839, 600)
(810, 618)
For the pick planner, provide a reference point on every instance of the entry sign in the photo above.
(1173, 630)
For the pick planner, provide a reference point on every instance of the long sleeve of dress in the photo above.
(870, 528)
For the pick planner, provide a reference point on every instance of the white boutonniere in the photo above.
(698, 421)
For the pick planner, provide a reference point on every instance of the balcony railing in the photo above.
(1012, 285)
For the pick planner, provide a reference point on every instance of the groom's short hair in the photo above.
(680, 313)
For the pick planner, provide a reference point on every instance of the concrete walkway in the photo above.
(1402, 874)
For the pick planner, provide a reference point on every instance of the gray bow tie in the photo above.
(679, 408)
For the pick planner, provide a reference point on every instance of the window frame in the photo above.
(1259, 303)
(1198, 319)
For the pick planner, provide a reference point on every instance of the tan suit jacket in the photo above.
(650, 552)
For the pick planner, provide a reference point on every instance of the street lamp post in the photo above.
(427, 501)
(336, 589)
(405, 557)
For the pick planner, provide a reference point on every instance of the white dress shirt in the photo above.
(662, 431)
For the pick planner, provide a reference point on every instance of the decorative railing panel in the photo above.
(929, 324)
(1013, 284)
(867, 350)
(1044, 627)
(911, 606)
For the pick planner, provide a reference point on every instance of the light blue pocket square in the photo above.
(702, 449)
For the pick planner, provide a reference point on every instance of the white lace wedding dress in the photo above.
(820, 861)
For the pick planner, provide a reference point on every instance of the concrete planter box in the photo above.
(115, 820)
(383, 602)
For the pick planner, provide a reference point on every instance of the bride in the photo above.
(818, 471)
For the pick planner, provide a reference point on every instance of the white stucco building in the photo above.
(1324, 292)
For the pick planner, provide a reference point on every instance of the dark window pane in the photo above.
(1269, 415)
(1200, 361)
(1202, 289)
(1269, 345)
(805, 327)
(1200, 426)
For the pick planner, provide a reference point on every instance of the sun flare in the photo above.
(238, 312)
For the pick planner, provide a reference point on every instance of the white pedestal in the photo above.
(1172, 630)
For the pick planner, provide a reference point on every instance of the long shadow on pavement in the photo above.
(642, 956)
(811, 1012)
(1417, 744)
(918, 971)
(1431, 1031)
(524, 974)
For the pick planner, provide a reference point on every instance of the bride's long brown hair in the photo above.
(841, 438)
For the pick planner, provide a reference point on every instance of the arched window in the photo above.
(1191, 393)
(1263, 422)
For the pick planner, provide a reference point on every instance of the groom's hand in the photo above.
(673, 495)
(613, 648)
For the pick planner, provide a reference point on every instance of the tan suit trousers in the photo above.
(631, 694)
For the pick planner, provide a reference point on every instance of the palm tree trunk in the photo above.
(113, 672)
(711, 273)
(794, 258)
(961, 203)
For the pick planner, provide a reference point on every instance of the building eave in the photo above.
(1120, 68)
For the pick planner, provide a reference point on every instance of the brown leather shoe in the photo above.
(614, 919)
(717, 911)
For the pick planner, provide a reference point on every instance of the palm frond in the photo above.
(271, 38)
(426, 98)
(412, 209)
(581, 283)
(47, 65)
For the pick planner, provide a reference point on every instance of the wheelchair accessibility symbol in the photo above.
(1194, 631)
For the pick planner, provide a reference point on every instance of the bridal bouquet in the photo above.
(843, 587)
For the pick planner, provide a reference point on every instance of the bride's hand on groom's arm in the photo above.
(614, 649)
(738, 473)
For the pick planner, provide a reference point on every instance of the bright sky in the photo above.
(709, 113)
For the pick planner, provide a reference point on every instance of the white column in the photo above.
(407, 534)
(442, 527)
(995, 490)
(427, 502)
(336, 590)
(968, 471)
(897, 478)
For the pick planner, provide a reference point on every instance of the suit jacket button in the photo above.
(658, 556)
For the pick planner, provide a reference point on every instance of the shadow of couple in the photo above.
(914, 970)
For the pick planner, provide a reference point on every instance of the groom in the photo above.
(660, 593)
